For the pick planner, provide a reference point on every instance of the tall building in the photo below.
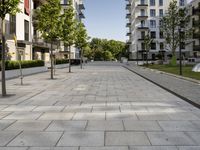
(144, 16)
(78, 7)
(20, 26)
(195, 23)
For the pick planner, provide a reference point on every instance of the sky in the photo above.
(106, 19)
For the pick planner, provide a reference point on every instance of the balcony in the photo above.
(143, 28)
(81, 15)
(196, 48)
(196, 23)
(196, 11)
(196, 35)
(128, 6)
(142, 17)
(128, 15)
(128, 34)
(81, 7)
(128, 25)
(128, 42)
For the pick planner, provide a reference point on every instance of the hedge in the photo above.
(11, 65)
(61, 61)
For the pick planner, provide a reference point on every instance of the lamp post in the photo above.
(180, 53)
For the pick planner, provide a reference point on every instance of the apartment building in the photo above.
(78, 7)
(143, 16)
(20, 26)
(194, 8)
(30, 45)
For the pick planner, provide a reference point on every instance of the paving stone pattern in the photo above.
(102, 107)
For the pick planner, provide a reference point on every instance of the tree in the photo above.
(47, 20)
(68, 23)
(6, 7)
(147, 43)
(81, 39)
(174, 19)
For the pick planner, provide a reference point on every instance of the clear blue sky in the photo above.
(106, 19)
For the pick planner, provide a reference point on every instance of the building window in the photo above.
(142, 2)
(161, 35)
(12, 24)
(160, 2)
(26, 30)
(142, 12)
(152, 12)
(143, 46)
(142, 23)
(142, 34)
(182, 2)
(153, 46)
(161, 46)
(182, 45)
(152, 23)
(161, 12)
(153, 34)
(152, 3)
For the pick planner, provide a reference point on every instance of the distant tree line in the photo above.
(105, 50)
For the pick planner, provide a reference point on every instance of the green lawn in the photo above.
(187, 70)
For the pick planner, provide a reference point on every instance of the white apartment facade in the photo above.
(30, 45)
(20, 26)
(144, 16)
(78, 7)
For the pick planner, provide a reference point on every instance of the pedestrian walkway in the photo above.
(102, 107)
(190, 91)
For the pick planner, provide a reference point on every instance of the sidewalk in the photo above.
(187, 90)
(102, 107)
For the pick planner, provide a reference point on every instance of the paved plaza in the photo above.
(102, 107)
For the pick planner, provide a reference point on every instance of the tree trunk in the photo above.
(147, 57)
(3, 79)
(69, 59)
(81, 59)
(51, 59)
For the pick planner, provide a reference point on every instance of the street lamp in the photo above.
(180, 53)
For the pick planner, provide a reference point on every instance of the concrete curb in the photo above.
(163, 87)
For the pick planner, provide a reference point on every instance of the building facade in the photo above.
(29, 45)
(144, 17)
(195, 23)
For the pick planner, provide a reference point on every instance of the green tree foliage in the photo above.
(81, 39)
(107, 49)
(174, 19)
(47, 21)
(68, 29)
(147, 43)
(6, 7)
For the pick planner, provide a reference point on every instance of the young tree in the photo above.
(47, 20)
(81, 39)
(6, 7)
(68, 23)
(147, 43)
(174, 19)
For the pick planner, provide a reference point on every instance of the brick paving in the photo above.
(102, 107)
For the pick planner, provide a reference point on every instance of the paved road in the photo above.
(103, 107)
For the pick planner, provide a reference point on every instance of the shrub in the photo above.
(62, 61)
(11, 65)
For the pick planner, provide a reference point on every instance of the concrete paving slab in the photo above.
(78, 109)
(36, 139)
(13, 148)
(152, 116)
(104, 148)
(153, 148)
(49, 108)
(188, 147)
(132, 125)
(170, 138)
(19, 108)
(82, 139)
(67, 126)
(105, 126)
(25, 125)
(121, 116)
(53, 148)
(5, 123)
(56, 116)
(23, 115)
(89, 116)
(6, 137)
(195, 136)
(4, 114)
(183, 116)
(178, 126)
(126, 138)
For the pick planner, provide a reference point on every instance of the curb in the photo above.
(170, 91)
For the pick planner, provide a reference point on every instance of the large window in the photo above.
(153, 34)
(26, 30)
(152, 23)
(161, 46)
(152, 2)
(160, 2)
(182, 2)
(152, 12)
(153, 46)
(12, 24)
(161, 12)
